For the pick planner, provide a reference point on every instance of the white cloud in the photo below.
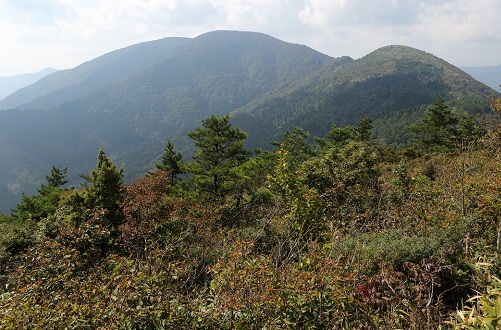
(446, 27)
(64, 33)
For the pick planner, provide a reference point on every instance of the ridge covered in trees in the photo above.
(134, 99)
(341, 233)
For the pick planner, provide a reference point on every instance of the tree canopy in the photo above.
(105, 190)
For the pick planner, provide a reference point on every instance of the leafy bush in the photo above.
(15, 236)
(396, 247)
(483, 310)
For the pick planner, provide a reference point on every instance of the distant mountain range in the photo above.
(134, 99)
(10, 84)
(489, 75)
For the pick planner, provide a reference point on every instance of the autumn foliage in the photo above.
(346, 234)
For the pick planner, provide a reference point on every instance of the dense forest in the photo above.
(341, 233)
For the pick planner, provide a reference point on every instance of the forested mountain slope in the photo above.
(110, 100)
(213, 74)
(134, 99)
(90, 76)
(382, 85)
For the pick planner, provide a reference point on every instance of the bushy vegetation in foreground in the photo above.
(344, 234)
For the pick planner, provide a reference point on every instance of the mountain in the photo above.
(134, 99)
(215, 73)
(382, 85)
(135, 115)
(91, 76)
(489, 75)
(10, 84)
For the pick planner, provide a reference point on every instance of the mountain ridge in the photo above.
(334, 92)
(10, 84)
(90, 76)
(267, 85)
(489, 75)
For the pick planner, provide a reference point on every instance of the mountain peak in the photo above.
(396, 53)
(136, 98)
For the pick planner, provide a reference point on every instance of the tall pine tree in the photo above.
(105, 191)
(219, 148)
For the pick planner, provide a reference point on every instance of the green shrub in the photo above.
(395, 247)
(15, 236)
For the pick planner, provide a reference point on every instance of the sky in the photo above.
(62, 34)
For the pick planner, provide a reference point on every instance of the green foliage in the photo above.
(303, 204)
(347, 179)
(57, 177)
(336, 137)
(437, 128)
(468, 131)
(40, 206)
(396, 247)
(363, 130)
(350, 236)
(219, 148)
(14, 237)
(482, 310)
(297, 147)
(104, 192)
(339, 135)
(172, 162)
(248, 179)
(37, 207)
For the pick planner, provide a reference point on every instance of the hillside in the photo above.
(351, 235)
(133, 100)
(91, 76)
(215, 72)
(380, 85)
(10, 84)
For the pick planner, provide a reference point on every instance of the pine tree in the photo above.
(57, 177)
(468, 132)
(363, 130)
(437, 128)
(297, 147)
(336, 137)
(219, 148)
(40, 206)
(172, 162)
(105, 190)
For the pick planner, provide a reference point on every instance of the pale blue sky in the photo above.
(64, 33)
